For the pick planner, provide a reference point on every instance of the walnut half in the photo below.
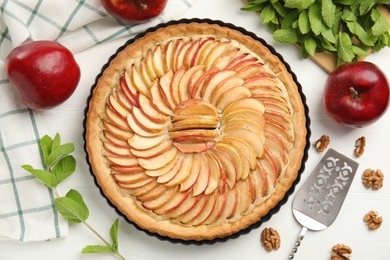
(270, 239)
(373, 220)
(360, 144)
(341, 252)
(322, 143)
(373, 179)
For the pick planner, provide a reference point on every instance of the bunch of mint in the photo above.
(60, 164)
(347, 28)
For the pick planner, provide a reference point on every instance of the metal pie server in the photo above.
(319, 201)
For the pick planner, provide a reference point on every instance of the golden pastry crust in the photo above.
(278, 132)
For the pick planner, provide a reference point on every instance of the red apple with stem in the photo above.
(44, 73)
(134, 10)
(356, 94)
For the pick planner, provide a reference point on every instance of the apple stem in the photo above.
(143, 5)
(354, 92)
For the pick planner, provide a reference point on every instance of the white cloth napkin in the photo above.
(26, 205)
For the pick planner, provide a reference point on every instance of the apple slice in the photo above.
(149, 65)
(240, 156)
(123, 161)
(163, 179)
(203, 177)
(195, 211)
(243, 122)
(204, 135)
(198, 86)
(157, 102)
(244, 197)
(136, 128)
(183, 173)
(116, 131)
(132, 99)
(136, 185)
(250, 138)
(188, 148)
(231, 204)
(128, 82)
(165, 89)
(209, 207)
(215, 173)
(234, 156)
(130, 178)
(116, 120)
(224, 86)
(262, 80)
(193, 122)
(117, 107)
(228, 166)
(188, 204)
(183, 88)
(163, 147)
(195, 107)
(246, 151)
(250, 70)
(232, 95)
(213, 81)
(159, 161)
(189, 56)
(276, 144)
(194, 79)
(220, 205)
(205, 49)
(118, 142)
(158, 64)
(250, 103)
(162, 200)
(143, 143)
(193, 175)
(168, 55)
(246, 113)
(180, 54)
(243, 63)
(127, 169)
(157, 192)
(216, 52)
(124, 101)
(239, 59)
(261, 182)
(144, 72)
(115, 150)
(163, 170)
(269, 165)
(174, 87)
(138, 82)
(202, 45)
(223, 61)
(136, 192)
(173, 204)
(150, 112)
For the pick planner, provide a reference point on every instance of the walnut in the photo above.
(372, 220)
(373, 179)
(360, 144)
(341, 252)
(270, 239)
(322, 143)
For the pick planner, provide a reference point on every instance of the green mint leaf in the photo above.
(58, 152)
(92, 249)
(280, 9)
(344, 2)
(289, 19)
(366, 6)
(42, 175)
(64, 168)
(268, 14)
(251, 8)
(298, 4)
(303, 22)
(329, 36)
(72, 207)
(380, 23)
(317, 24)
(328, 10)
(326, 45)
(344, 51)
(286, 36)
(46, 144)
(310, 45)
(114, 233)
(358, 51)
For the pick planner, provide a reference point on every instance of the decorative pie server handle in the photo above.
(298, 242)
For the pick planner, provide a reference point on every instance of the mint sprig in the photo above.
(60, 164)
(347, 28)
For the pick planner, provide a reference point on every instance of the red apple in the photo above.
(44, 73)
(134, 10)
(356, 94)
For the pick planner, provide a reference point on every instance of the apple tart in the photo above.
(195, 131)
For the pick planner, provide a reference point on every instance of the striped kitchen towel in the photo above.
(26, 205)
